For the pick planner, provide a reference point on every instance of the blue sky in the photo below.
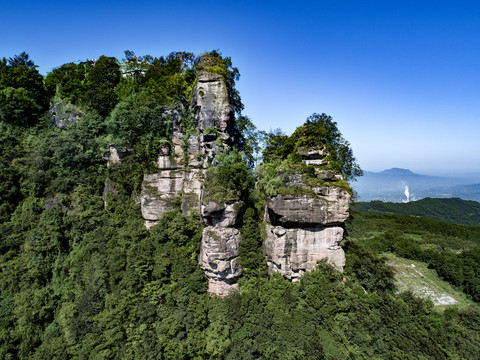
(401, 78)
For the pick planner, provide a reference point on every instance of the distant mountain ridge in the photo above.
(397, 172)
(402, 185)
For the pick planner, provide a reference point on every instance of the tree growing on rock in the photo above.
(319, 132)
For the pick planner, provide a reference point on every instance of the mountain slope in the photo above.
(452, 210)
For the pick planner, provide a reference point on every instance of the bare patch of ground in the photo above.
(416, 277)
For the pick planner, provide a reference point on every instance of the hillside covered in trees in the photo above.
(82, 278)
(451, 210)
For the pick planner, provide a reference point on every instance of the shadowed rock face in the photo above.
(222, 215)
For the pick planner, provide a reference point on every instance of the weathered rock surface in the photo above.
(112, 157)
(182, 165)
(210, 103)
(219, 258)
(182, 168)
(222, 215)
(303, 229)
(63, 116)
(294, 251)
(329, 207)
(160, 192)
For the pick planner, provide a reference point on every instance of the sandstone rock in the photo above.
(331, 207)
(113, 158)
(316, 162)
(159, 192)
(180, 179)
(210, 103)
(219, 258)
(222, 215)
(182, 169)
(304, 229)
(312, 153)
(192, 191)
(328, 175)
(294, 251)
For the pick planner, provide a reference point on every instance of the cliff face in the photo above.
(303, 229)
(182, 162)
(304, 226)
(182, 166)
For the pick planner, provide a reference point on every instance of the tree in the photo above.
(68, 81)
(21, 59)
(100, 87)
(22, 97)
(18, 107)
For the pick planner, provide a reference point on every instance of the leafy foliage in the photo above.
(452, 250)
(229, 181)
(81, 277)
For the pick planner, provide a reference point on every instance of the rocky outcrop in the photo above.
(303, 229)
(64, 114)
(222, 215)
(294, 251)
(220, 244)
(182, 164)
(183, 161)
(329, 207)
(219, 258)
(211, 104)
(113, 156)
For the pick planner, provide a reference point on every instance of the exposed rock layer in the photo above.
(329, 207)
(182, 163)
(294, 251)
(303, 229)
(181, 175)
(219, 258)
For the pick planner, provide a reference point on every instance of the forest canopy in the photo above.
(82, 278)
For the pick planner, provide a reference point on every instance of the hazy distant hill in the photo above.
(391, 185)
(452, 210)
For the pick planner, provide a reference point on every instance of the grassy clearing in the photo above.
(415, 276)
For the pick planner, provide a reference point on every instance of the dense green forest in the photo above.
(451, 210)
(82, 278)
